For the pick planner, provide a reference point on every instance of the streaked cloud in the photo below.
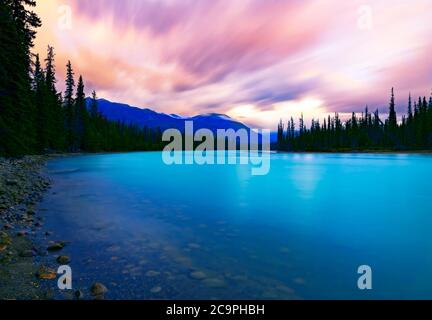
(257, 60)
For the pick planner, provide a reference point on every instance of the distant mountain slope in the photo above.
(145, 117)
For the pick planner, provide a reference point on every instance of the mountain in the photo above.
(146, 117)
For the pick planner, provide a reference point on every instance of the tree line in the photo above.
(34, 117)
(365, 132)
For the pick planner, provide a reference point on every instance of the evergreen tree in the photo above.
(368, 131)
(94, 113)
(68, 102)
(81, 118)
(40, 100)
(33, 116)
(281, 132)
(392, 120)
(17, 112)
(410, 112)
(55, 120)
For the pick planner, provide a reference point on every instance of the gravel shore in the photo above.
(21, 187)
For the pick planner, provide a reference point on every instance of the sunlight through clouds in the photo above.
(309, 107)
(257, 61)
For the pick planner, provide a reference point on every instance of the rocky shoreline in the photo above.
(28, 257)
(21, 187)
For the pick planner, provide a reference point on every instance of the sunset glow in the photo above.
(255, 60)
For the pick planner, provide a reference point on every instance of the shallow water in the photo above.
(151, 231)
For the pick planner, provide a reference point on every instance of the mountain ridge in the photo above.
(146, 117)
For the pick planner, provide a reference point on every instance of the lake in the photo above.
(152, 231)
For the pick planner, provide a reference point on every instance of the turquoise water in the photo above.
(151, 231)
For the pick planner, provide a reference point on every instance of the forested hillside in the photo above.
(34, 117)
(366, 132)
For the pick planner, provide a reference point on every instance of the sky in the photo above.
(257, 61)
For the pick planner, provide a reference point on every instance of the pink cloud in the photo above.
(186, 56)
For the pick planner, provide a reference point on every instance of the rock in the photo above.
(46, 273)
(285, 250)
(40, 251)
(11, 182)
(198, 275)
(79, 294)
(68, 295)
(113, 249)
(98, 289)
(63, 260)
(299, 281)
(56, 246)
(156, 289)
(285, 289)
(27, 253)
(152, 273)
(5, 241)
(143, 262)
(194, 246)
(214, 283)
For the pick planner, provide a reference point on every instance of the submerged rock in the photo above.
(152, 273)
(46, 273)
(11, 182)
(156, 289)
(98, 290)
(56, 246)
(194, 246)
(63, 260)
(299, 281)
(5, 239)
(214, 283)
(198, 275)
(79, 294)
(27, 253)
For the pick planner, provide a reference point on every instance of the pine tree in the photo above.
(392, 120)
(301, 125)
(68, 101)
(81, 118)
(280, 135)
(368, 131)
(41, 104)
(17, 112)
(50, 70)
(55, 120)
(32, 117)
(94, 113)
(410, 112)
